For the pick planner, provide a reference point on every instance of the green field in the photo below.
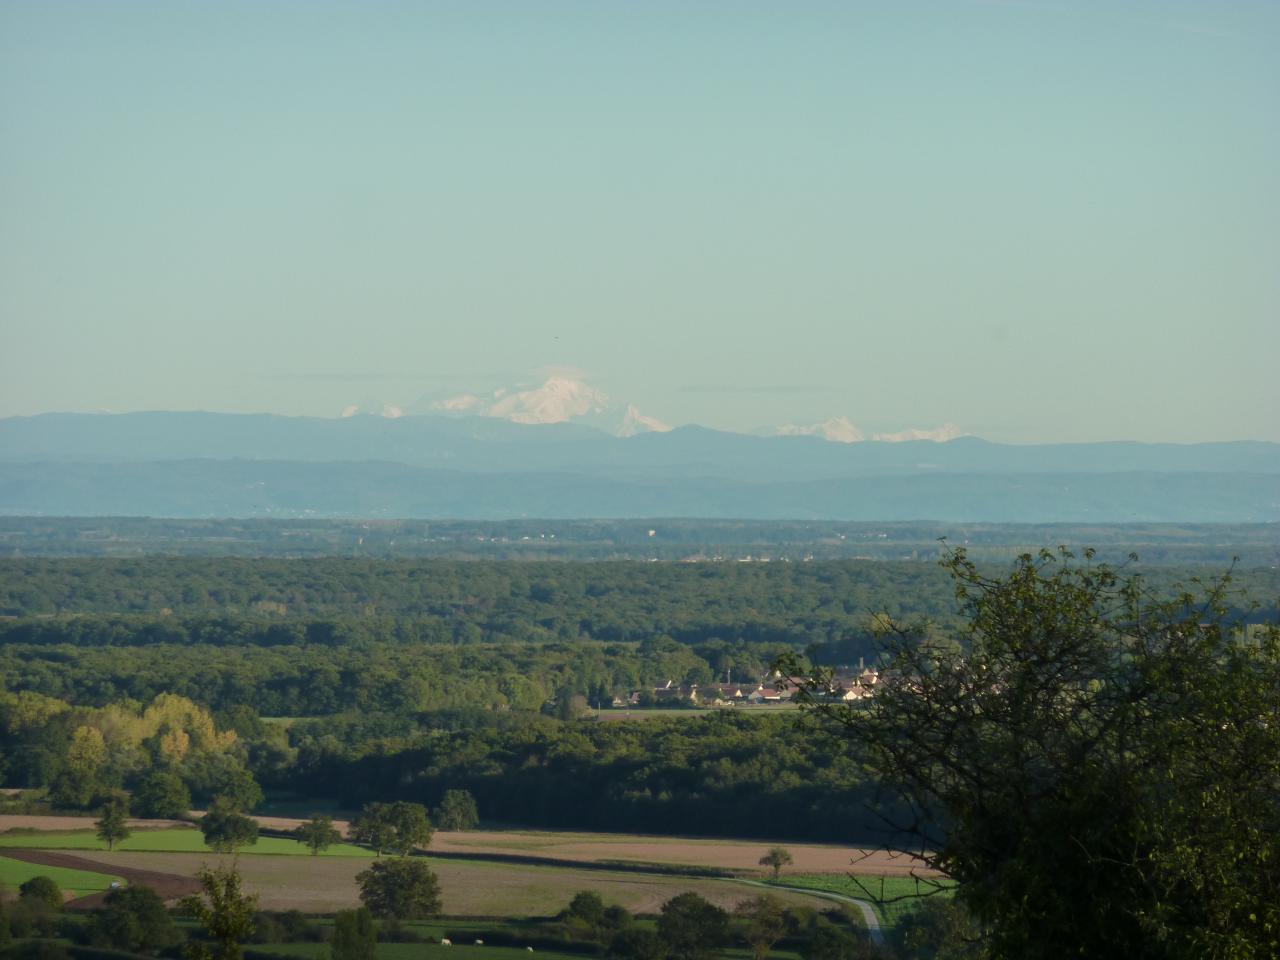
(80, 882)
(178, 840)
(901, 893)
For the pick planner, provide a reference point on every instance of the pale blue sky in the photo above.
(1040, 221)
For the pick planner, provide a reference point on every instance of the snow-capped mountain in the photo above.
(559, 399)
(843, 430)
(837, 429)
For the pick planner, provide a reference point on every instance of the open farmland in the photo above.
(470, 888)
(736, 855)
(71, 833)
(176, 840)
(73, 883)
(635, 849)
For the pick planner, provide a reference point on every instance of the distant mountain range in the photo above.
(563, 398)
(489, 467)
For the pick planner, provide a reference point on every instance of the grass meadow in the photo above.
(175, 840)
(13, 873)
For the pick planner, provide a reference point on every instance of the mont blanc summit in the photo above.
(559, 399)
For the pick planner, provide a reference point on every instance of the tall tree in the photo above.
(162, 794)
(692, 928)
(134, 919)
(318, 833)
(1096, 767)
(374, 828)
(764, 924)
(113, 824)
(457, 811)
(355, 936)
(225, 829)
(410, 827)
(776, 859)
(400, 889)
(224, 910)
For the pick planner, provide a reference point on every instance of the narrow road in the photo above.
(868, 912)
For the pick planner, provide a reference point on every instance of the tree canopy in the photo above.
(404, 888)
(1097, 767)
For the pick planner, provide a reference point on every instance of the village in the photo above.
(771, 690)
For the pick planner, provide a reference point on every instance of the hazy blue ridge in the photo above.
(273, 488)
(487, 445)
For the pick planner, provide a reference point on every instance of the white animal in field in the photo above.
(445, 943)
(530, 949)
(479, 943)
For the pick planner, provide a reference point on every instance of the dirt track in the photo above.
(170, 886)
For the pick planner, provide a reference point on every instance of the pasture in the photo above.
(469, 888)
(74, 883)
(173, 840)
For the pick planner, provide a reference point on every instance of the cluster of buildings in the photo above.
(770, 690)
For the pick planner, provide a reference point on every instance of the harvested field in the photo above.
(738, 855)
(469, 888)
(741, 855)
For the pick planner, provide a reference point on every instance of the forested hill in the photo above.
(399, 679)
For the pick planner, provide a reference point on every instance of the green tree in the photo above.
(6, 932)
(318, 833)
(692, 928)
(410, 827)
(636, 943)
(355, 936)
(113, 824)
(400, 889)
(776, 859)
(225, 829)
(457, 811)
(764, 923)
(374, 827)
(936, 928)
(238, 789)
(162, 795)
(74, 789)
(826, 941)
(224, 910)
(586, 910)
(1095, 766)
(41, 890)
(134, 919)
(586, 906)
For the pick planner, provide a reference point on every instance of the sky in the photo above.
(1041, 221)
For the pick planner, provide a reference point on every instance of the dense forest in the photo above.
(361, 679)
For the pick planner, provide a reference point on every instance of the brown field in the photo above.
(676, 851)
(168, 885)
(680, 851)
(469, 888)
